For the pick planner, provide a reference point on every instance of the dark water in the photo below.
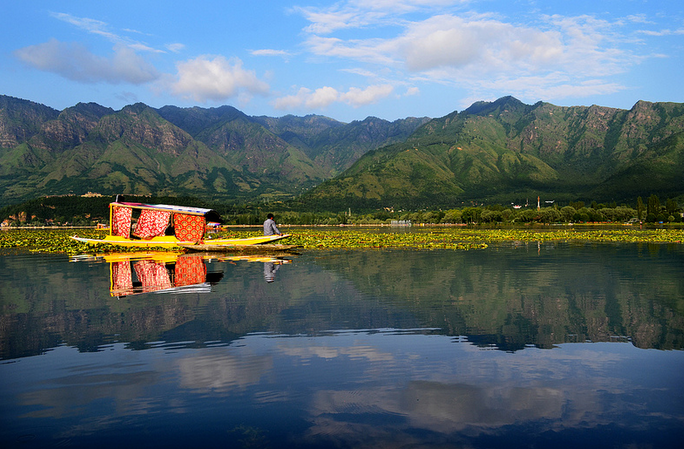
(551, 345)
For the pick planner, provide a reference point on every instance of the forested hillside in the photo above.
(493, 152)
(216, 153)
(506, 151)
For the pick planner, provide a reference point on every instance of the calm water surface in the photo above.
(551, 345)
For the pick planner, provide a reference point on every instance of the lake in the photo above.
(533, 345)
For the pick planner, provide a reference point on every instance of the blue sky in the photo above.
(344, 59)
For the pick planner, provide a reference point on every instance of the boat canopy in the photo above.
(210, 214)
(155, 220)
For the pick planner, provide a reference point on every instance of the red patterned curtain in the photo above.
(189, 228)
(152, 223)
(122, 283)
(190, 270)
(121, 221)
(153, 275)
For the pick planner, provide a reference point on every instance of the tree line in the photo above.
(575, 212)
(89, 211)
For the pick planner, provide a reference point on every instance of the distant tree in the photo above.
(640, 208)
(525, 216)
(653, 207)
(567, 213)
(671, 206)
(452, 216)
(491, 216)
(549, 215)
(584, 214)
(416, 217)
(471, 214)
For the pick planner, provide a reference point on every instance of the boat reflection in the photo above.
(170, 272)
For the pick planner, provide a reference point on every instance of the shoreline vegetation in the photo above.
(46, 224)
(94, 210)
(366, 237)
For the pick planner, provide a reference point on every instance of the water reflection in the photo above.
(515, 346)
(169, 272)
(351, 389)
(507, 298)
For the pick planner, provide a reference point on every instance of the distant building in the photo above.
(400, 223)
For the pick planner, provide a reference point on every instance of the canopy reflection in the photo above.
(171, 272)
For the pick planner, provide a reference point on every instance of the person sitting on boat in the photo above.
(270, 227)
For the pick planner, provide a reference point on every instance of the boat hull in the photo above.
(258, 248)
(173, 242)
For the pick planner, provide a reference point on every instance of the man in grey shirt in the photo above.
(270, 227)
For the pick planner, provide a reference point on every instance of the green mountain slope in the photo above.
(334, 146)
(130, 151)
(493, 151)
(506, 150)
(216, 153)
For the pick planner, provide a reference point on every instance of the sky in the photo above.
(346, 59)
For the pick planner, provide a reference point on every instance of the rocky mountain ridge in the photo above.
(215, 153)
(506, 151)
(501, 151)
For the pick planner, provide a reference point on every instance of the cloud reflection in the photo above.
(369, 353)
(221, 372)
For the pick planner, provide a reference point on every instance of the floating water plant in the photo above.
(59, 241)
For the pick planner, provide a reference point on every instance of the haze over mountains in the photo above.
(493, 151)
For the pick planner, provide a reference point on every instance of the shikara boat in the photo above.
(160, 225)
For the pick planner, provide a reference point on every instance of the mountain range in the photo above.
(507, 151)
(497, 151)
(215, 153)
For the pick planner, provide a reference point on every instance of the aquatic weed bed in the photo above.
(59, 241)
(464, 238)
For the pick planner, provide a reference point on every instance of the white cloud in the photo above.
(317, 99)
(90, 25)
(325, 96)
(638, 18)
(137, 46)
(74, 61)
(361, 97)
(175, 47)
(102, 29)
(582, 89)
(478, 43)
(271, 52)
(665, 32)
(376, 51)
(324, 21)
(215, 79)
(477, 51)
(448, 41)
(361, 72)
(321, 98)
(366, 13)
(550, 87)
